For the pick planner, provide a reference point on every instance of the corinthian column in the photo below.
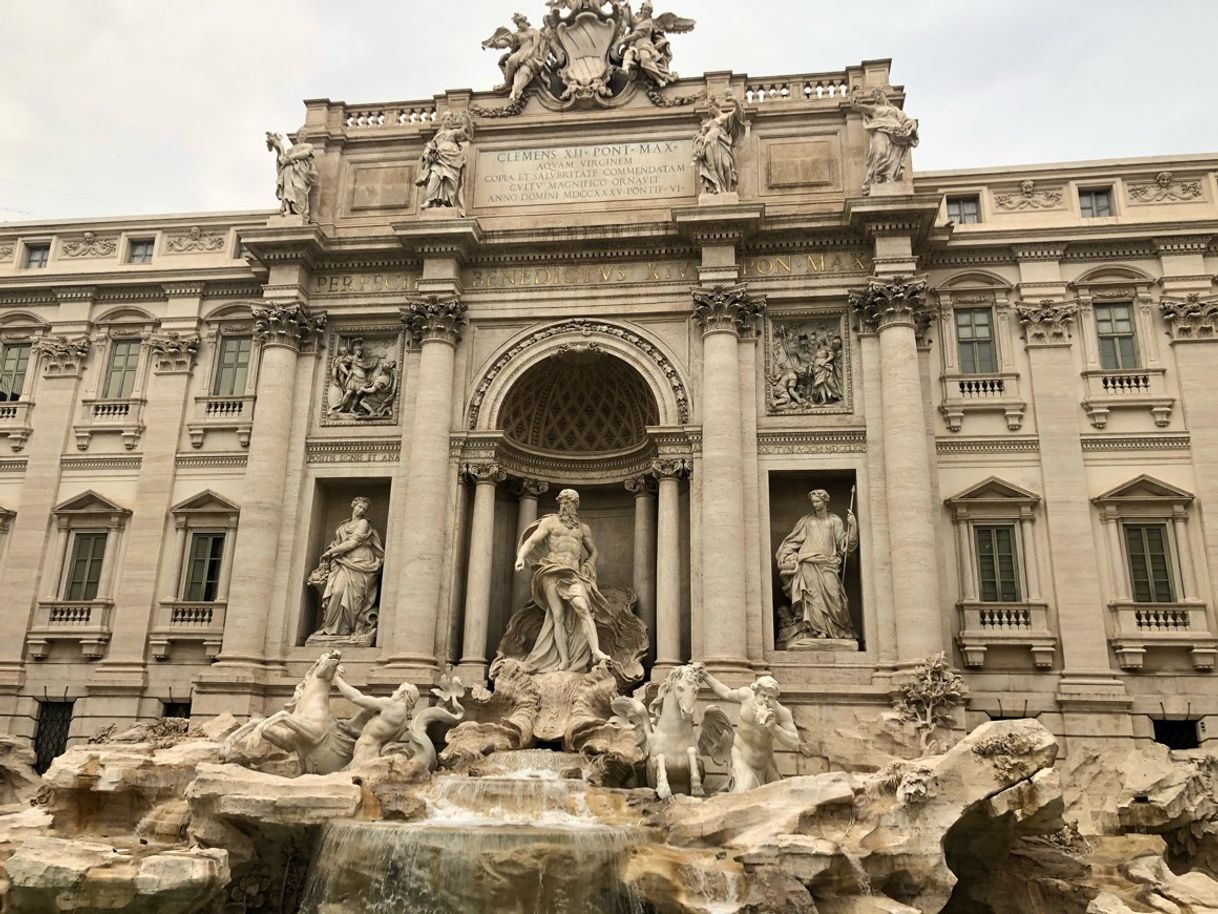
(643, 488)
(436, 323)
(724, 313)
(486, 478)
(282, 331)
(668, 565)
(897, 311)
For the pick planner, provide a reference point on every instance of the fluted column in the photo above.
(486, 478)
(724, 312)
(436, 323)
(896, 310)
(528, 491)
(668, 564)
(643, 488)
(282, 332)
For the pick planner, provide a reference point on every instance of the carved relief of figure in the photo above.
(384, 722)
(527, 49)
(715, 146)
(442, 166)
(810, 563)
(375, 399)
(297, 175)
(644, 44)
(563, 555)
(762, 725)
(349, 575)
(807, 362)
(363, 384)
(892, 134)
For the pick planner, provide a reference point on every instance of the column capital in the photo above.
(672, 468)
(483, 473)
(173, 352)
(63, 357)
(530, 488)
(438, 318)
(891, 302)
(288, 325)
(727, 309)
(641, 486)
(1192, 320)
(1049, 323)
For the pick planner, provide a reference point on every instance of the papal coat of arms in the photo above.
(586, 51)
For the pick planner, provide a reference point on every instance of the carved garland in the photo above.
(584, 327)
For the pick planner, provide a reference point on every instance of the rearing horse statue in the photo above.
(666, 732)
(306, 725)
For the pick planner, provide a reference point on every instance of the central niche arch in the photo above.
(580, 403)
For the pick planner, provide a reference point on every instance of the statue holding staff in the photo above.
(811, 563)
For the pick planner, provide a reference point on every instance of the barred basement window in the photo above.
(975, 340)
(51, 733)
(997, 564)
(1150, 571)
(1178, 734)
(179, 710)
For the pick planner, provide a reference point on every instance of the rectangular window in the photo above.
(997, 564)
(203, 567)
(120, 373)
(176, 710)
(964, 210)
(140, 251)
(84, 567)
(1149, 563)
(14, 360)
(1118, 344)
(1095, 203)
(232, 366)
(37, 256)
(975, 339)
(51, 732)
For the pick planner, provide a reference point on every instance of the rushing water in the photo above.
(511, 845)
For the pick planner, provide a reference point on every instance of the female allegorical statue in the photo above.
(810, 564)
(442, 167)
(351, 567)
(715, 146)
(297, 174)
(892, 134)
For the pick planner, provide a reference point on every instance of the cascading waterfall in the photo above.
(513, 845)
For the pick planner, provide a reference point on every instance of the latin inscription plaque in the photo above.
(591, 173)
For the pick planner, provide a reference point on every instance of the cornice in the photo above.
(99, 464)
(1023, 444)
(1179, 442)
(211, 461)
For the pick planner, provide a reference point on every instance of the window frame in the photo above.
(130, 372)
(974, 344)
(28, 249)
(190, 559)
(87, 512)
(140, 242)
(1170, 550)
(20, 389)
(94, 560)
(1012, 528)
(1090, 193)
(218, 366)
(1100, 337)
(958, 200)
(209, 514)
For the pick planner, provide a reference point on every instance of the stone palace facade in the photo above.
(468, 304)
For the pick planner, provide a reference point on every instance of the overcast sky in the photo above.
(159, 106)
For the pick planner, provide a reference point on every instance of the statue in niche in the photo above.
(715, 146)
(563, 555)
(811, 562)
(363, 385)
(644, 44)
(527, 47)
(348, 577)
(442, 166)
(297, 175)
(763, 724)
(892, 134)
(807, 363)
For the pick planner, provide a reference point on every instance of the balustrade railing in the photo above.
(179, 621)
(797, 88)
(407, 114)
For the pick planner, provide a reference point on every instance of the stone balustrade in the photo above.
(15, 423)
(126, 417)
(997, 625)
(1140, 627)
(85, 622)
(219, 414)
(180, 621)
(997, 392)
(1134, 389)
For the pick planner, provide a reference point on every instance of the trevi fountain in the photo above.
(574, 773)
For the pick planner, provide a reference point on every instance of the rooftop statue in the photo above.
(442, 166)
(892, 134)
(584, 50)
(297, 175)
(715, 146)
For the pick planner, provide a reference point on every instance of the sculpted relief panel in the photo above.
(807, 365)
(363, 377)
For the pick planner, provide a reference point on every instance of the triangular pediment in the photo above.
(995, 490)
(207, 502)
(1144, 488)
(89, 502)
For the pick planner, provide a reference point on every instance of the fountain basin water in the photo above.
(433, 868)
